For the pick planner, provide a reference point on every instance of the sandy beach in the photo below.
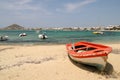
(50, 62)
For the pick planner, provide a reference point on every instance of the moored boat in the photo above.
(89, 53)
(98, 32)
(22, 34)
(42, 36)
(3, 38)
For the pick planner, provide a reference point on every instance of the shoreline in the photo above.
(32, 44)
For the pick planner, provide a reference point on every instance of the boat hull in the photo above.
(98, 62)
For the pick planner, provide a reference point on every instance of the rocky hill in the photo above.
(14, 27)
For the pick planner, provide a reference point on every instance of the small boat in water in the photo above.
(22, 34)
(89, 53)
(98, 32)
(3, 38)
(42, 36)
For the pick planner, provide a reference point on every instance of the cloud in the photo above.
(22, 2)
(69, 7)
(22, 7)
(19, 5)
(38, 10)
(41, 7)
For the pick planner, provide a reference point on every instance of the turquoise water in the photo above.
(59, 37)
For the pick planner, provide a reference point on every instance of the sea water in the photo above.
(59, 37)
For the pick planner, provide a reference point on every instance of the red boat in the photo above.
(89, 53)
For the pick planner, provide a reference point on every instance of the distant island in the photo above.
(13, 27)
(18, 27)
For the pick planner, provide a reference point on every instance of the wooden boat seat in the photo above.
(85, 49)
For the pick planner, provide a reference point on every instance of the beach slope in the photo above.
(51, 62)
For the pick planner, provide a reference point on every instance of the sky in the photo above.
(59, 13)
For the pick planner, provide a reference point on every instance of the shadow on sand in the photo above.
(108, 72)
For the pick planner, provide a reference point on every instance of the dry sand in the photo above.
(50, 62)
